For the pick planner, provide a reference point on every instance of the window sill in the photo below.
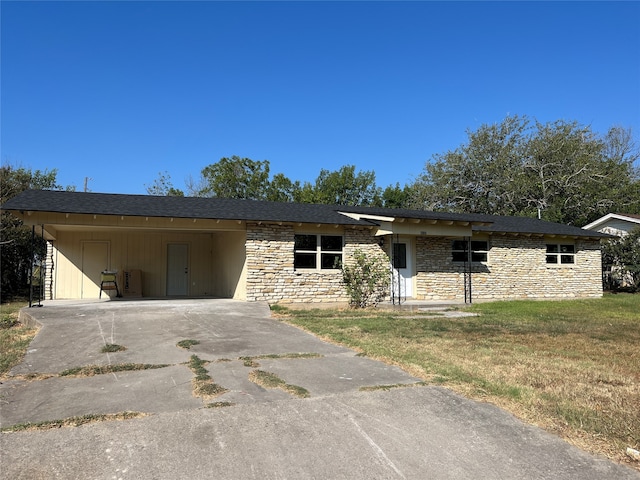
(326, 271)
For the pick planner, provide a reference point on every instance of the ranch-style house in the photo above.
(157, 246)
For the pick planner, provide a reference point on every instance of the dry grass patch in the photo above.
(14, 337)
(252, 363)
(203, 385)
(91, 370)
(571, 367)
(271, 380)
(72, 421)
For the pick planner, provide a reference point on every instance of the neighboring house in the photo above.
(287, 252)
(618, 224)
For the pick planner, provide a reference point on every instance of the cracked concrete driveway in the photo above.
(339, 431)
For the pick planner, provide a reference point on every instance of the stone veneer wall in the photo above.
(272, 278)
(516, 268)
(48, 273)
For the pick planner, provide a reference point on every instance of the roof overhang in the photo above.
(387, 225)
(610, 216)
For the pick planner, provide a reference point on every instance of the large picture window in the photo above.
(460, 252)
(320, 252)
(561, 254)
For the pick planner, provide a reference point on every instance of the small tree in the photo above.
(366, 280)
(623, 257)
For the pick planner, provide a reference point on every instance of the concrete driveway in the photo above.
(338, 430)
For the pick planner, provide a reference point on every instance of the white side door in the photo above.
(402, 263)
(177, 270)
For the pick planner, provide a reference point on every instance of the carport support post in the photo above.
(467, 273)
(33, 254)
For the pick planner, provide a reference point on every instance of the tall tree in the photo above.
(558, 170)
(342, 187)
(621, 148)
(16, 245)
(282, 189)
(236, 177)
(395, 196)
(162, 186)
(482, 176)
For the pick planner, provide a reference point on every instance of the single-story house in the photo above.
(618, 224)
(288, 252)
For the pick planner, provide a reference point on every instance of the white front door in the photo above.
(402, 259)
(177, 269)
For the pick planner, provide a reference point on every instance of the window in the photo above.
(318, 251)
(559, 254)
(479, 251)
(399, 255)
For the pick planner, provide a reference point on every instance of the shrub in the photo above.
(622, 258)
(366, 280)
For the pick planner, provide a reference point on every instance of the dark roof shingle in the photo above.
(253, 210)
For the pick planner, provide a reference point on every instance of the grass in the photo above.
(219, 404)
(251, 361)
(71, 422)
(203, 385)
(112, 347)
(271, 380)
(187, 344)
(386, 388)
(91, 370)
(14, 337)
(571, 367)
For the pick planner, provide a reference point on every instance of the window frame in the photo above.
(320, 252)
(560, 255)
(483, 252)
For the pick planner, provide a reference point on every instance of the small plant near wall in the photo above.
(366, 279)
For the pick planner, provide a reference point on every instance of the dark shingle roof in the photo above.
(506, 224)
(253, 210)
(196, 207)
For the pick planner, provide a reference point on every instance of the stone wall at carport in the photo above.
(271, 276)
(516, 268)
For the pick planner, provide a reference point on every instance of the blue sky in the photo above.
(119, 91)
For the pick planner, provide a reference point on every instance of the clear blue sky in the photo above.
(119, 91)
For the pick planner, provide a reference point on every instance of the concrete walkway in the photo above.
(340, 431)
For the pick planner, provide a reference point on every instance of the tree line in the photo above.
(558, 171)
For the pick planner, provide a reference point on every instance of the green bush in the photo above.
(621, 258)
(366, 280)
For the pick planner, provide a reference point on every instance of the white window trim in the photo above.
(482, 262)
(318, 252)
(559, 255)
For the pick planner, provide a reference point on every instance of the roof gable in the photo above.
(602, 222)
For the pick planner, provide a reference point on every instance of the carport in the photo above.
(172, 256)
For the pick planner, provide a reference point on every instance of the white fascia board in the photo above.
(364, 216)
(610, 216)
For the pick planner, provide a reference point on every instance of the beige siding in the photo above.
(229, 269)
(215, 260)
